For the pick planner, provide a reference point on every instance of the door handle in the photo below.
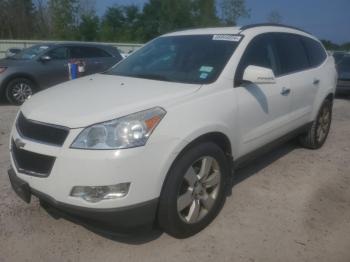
(285, 91)
(316, 81)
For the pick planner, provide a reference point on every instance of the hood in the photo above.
(99, 98)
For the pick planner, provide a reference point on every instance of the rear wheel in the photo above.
(318, 132)
(195, 191)
(19, 90)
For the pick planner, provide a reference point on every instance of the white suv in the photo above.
(158, 136)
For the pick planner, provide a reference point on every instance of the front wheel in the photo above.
(19, 90)
(194, 191)
(317, 134)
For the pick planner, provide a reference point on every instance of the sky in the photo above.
(326, 19)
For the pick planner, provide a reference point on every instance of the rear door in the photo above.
(296, 73)
(263, 108)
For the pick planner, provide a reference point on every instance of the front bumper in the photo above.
(144, 168)
(124, 220)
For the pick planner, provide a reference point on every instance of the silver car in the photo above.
(43, 66)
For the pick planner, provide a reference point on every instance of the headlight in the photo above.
(2, 69)
(125, 132)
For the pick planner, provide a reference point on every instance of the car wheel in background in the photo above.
(195, 190)
(318, 132)
(18, 90)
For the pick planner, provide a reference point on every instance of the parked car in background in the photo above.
(338, 56)
(343, 68)
(43, 66)
(158, 136)
(126, 54)
(12, 51)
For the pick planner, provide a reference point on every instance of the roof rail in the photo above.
(246, 27)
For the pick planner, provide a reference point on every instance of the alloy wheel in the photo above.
(199, 190)
(323, 124)
(21, 91)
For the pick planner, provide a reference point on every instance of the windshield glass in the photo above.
(186, 59)
(31, 52)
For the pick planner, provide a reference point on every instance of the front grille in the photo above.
(31, 163)
(50, 134)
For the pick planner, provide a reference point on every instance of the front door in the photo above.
(263, 108)
(55, 70)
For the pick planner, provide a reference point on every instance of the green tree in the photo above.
(113, 23)
(64, 18)
(232, 10)
(89, 27)
(274, 17)
(204, 13)
(17, 18)
(161, 16)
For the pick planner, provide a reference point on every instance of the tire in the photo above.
(178, 203)
(317, 134)
(18, 90)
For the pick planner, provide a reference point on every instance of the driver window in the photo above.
(260, 52)
(59, 53)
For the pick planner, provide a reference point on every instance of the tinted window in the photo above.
(338, 57)
(315, 51)
(87, 52)
(31, 52)
(186, 59)
(291, 53)
(58, 53)
(260, 52)
(344, 68)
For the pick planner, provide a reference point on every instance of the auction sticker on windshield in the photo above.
(232, 38)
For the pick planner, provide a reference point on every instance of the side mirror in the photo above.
(45, 58)
(259, 75)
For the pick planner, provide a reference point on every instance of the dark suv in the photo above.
(344, 76)
(42, 66)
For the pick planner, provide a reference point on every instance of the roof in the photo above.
(236, 30)
(207, 31)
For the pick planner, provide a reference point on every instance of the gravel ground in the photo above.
(291, 205)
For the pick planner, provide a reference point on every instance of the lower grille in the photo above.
(31, 163)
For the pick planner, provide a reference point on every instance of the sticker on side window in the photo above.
(203, 75)
(206, 69)
(232, 38)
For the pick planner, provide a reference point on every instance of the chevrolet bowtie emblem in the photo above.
(19, 143)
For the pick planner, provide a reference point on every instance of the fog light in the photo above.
(98, 193)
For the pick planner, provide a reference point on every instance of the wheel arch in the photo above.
(216, 137)
(18, 75)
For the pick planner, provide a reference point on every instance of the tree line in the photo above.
(78, 20)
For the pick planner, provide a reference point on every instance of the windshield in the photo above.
(31, 52)
(186, 59)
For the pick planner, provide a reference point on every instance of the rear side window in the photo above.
(291, 53)
(87, 52)
(315, 51)
(260, 52)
